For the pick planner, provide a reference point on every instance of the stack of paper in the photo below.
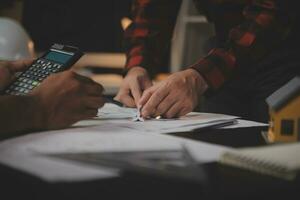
(27, 153)
(122, 117)
(113, 130)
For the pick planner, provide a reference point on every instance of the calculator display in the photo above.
(58, 57)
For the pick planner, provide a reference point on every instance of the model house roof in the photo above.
(284, 94)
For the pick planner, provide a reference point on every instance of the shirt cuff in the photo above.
(216, 68)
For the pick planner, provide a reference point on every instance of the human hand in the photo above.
(133, 85)
(8, 70)
(176, 96)
(65, 98)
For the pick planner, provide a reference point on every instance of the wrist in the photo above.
(199, 80)
(38, 114)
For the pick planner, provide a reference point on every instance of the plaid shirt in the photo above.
(248, 30)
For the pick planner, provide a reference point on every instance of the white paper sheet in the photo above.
(25, 153)
(122, 117)
(112, 111)
(113, 130)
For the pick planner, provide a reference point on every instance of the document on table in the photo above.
(123, 118)
(113, 130)
(27, 153)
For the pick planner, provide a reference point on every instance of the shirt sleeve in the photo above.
(265, 26)
(147, 39)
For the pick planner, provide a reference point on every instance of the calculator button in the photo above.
(58, 66)
(35, 83)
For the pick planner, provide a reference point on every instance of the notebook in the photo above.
(279, 160)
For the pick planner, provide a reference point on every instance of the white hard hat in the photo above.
(15, 43)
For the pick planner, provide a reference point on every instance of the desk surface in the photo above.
(220, 182)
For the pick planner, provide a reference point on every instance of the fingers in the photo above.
(150, 107)
(165, 105)
(145, 83)
(89, 87)
(135, 90)
(133, 85)
(146, 96)
(93, 89)
(124, 96)
(173, 111)
(20, 65)
(81, 78)
(93, 102)
(125, 99)
(183, 112)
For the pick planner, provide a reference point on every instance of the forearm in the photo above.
(18, 114)
(147, 39)
(265, 27)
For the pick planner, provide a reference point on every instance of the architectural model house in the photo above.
(284, 106)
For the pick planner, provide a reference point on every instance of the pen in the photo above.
(215, 125)
(111, 100)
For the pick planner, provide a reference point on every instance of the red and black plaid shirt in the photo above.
(250, 29)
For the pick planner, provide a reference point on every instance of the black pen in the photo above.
(111, 100)
(215, 125)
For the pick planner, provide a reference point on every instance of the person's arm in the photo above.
(146, 42)
(266, 25)
(148, 37)
(58, 102)
(18, 114)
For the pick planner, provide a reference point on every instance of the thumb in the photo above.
(135, 90)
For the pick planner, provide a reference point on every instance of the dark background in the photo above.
(92, 25)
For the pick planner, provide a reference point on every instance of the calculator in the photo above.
(58, 58)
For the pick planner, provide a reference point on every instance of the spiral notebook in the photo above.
(279, 160)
